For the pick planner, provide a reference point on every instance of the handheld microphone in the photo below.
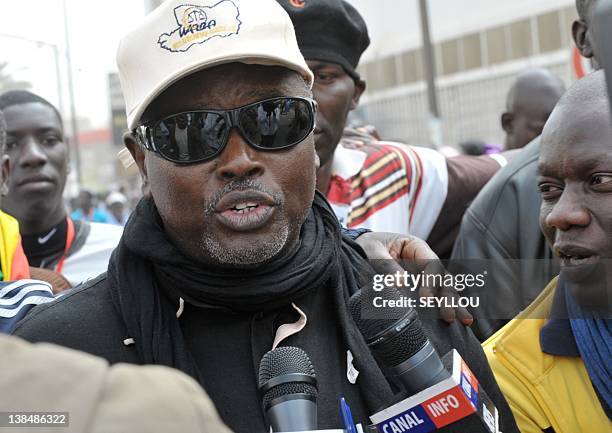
(408, 358)
(441, 393)
(288, 388)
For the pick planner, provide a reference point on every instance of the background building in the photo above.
(480, 47)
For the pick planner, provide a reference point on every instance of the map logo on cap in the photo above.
(198, 24)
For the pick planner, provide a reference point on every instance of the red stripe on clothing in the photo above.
(373, 208)
(385, 171)
(419, 187)
(392, 166)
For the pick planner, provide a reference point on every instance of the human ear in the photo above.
(360, 87)
(580, 33)
(132, 143)
(507, 122)
(4, 174)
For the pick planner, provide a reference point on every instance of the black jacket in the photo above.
(85, 319)
(502, 224)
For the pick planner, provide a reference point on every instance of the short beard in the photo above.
(251, 255)
(255, 253)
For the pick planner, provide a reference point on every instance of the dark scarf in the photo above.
(593, 335)
(147, 275)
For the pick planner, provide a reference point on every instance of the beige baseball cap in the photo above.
(182, 37)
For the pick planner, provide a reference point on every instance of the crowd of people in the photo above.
(262, 213)
(111, 208)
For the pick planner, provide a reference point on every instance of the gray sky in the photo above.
(97, 26)
(95, 29)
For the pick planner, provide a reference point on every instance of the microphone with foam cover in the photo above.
(408, 358)
(288, 388)
(437, 399)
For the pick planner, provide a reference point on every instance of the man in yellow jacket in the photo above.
(553, 362)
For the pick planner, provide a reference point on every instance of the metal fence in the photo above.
(471, 103)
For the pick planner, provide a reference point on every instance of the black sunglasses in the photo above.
(196, 136)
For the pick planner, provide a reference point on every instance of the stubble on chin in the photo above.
(251, 254)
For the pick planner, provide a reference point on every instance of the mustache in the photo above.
(241, 185)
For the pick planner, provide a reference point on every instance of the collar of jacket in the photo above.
(518, 341)
(544, 388)
(557, 337)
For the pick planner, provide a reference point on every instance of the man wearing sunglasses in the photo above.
(231, 252)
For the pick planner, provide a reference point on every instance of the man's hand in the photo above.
(383, 249)
(355, 138)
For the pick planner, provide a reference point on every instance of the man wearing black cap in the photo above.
(383, 186)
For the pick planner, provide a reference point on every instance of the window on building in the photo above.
(549, 28)
(388, 72)
(412, 66)
(470, 49)
(521, 39)
(496, 45)
(450, 56)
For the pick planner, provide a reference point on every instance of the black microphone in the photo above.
(437, 398)
(288, 388)
(407, 356)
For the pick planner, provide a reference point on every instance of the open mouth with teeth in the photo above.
(246, 215)
(577, 259)
(244, 207)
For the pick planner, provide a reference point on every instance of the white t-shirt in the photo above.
(388, 187)
(92, 259)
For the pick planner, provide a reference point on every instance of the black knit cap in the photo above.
(330, 31)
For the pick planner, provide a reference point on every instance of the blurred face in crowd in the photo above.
(117, 210)
(336, 94)
(246, 205)
(85, 200)
(527, 122)
(575, 181)
(39, 164)
(530, 101)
